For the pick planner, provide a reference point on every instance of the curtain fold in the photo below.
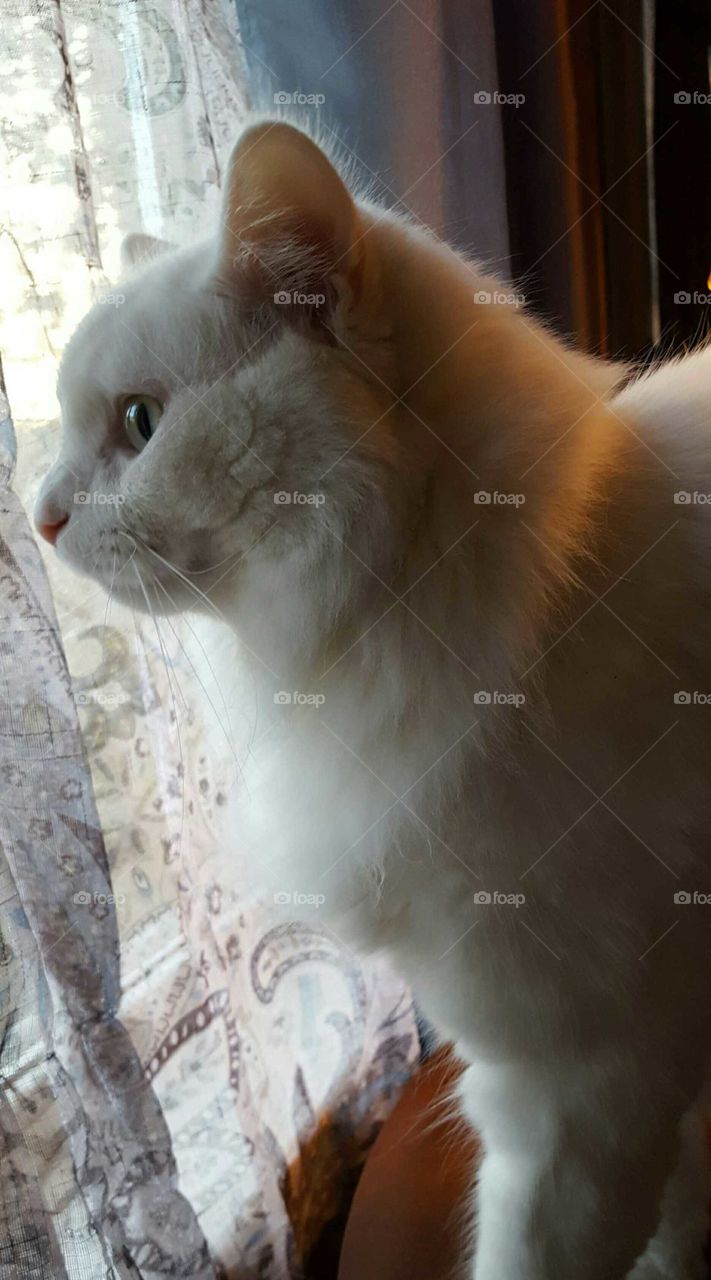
(70, 1072)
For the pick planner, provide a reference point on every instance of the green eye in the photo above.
(141, 416)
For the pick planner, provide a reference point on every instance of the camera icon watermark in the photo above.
(682, 898)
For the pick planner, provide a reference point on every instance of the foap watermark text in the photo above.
(101, 698)
(483, 98)
(296, 698)
(298, 99)
(297, 499)
(498, 698)
(483, 898)
(499, 298)
(494, 498)
(296, 298)
(96, 498)
(294, 898)
(84, 899)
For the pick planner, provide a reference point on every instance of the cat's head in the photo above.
(231, 405)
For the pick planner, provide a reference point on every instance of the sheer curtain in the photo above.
(176, 1062)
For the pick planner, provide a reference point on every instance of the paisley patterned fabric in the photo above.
(188, 1084)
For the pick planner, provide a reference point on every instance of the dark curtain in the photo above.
(682, 122)
(609, 166)
(579, 181)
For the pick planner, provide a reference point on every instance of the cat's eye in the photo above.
(141, 416)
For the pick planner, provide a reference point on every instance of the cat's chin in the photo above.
(152, 598)
(141, 590)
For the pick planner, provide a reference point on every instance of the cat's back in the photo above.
(670, 407)
(660, 500)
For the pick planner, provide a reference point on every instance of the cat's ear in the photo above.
(290, 227)
(138, 249)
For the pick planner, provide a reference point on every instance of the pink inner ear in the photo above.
(299, 262)
(289, 219)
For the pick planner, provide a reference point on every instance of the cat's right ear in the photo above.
(138, 250)
(290, 227)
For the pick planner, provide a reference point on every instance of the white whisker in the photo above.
(179, 573)
(172, 692)
(108, 599)
(226, 733)
(201, 594)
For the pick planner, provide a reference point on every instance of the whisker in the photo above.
(159, 585)
(133, 551)
(172, 693)
(233, 555)
(179, 573)
(108, 599)
(201, 594)
(227, 735)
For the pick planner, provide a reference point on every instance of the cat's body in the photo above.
(480, 694)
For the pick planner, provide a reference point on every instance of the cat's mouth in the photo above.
(150, 583)
(145, 589)
(132, 572)
(142, 576)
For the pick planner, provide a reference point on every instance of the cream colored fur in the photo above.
(485, 691)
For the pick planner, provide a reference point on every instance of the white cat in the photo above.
(473, 618)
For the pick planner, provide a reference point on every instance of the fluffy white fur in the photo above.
(397, 793)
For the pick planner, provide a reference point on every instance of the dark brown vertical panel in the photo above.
(579, 234)
(583, 178)
(625, 149)
(683, 164)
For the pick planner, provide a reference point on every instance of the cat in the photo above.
(466, 577)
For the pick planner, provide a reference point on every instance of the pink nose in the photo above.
(50, 532)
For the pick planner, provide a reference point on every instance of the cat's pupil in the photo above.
(142, 421)
(141, 417)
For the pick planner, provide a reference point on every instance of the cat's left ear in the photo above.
(138, 250)
(290, 227)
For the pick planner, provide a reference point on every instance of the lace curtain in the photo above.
(189, 1086)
